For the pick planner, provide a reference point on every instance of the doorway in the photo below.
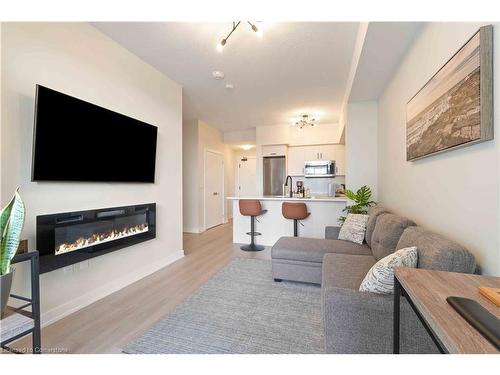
(247, 181)
(214, 189)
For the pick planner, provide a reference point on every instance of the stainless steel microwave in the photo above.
(319, 168)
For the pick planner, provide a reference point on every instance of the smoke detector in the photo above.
(218, 75)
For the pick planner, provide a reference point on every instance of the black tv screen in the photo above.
(78, 141)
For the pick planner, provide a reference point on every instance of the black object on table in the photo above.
(481, 319)
(33, 302)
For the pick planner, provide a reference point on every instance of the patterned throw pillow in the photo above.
(354, 228)
(380, 278)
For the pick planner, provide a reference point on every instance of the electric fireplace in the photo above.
(71, 237)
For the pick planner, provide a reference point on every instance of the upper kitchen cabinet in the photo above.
(296, 158)
(274, 150)
(298, 155)
(337, 153)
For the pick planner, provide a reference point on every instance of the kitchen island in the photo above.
(325, 211)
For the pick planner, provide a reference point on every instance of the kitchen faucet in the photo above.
(291, 182)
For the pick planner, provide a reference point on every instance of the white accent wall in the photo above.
(77, 59)
(361, 146)
(455, 193)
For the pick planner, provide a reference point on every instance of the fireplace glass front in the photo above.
(72, 237)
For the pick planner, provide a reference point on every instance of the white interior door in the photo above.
(247, 177)
(214, 189)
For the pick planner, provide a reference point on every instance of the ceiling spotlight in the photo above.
(256, 29)
(218, 75)
(221, 45)
(223, 42)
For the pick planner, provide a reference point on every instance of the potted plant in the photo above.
(362, 202)
(11, 225)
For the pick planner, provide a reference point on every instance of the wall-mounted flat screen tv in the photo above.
(78, 141)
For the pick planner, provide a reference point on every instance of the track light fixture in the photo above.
(223, 42)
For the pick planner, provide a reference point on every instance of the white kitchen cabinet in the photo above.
(296, 158)
(298, 155)
(274, 150)
(327, 152)
(339, 157)
(311, 153)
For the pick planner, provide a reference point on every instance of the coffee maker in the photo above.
(300, 188)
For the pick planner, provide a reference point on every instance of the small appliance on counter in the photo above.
(332, 189)
(300, 188)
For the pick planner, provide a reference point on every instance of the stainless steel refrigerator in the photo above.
(274, 174)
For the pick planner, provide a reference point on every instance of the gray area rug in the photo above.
(240, 310)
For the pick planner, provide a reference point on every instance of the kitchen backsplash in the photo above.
(318, 185)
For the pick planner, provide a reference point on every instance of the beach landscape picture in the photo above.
(446, 112)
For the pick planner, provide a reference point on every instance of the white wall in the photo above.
(1, 183)
(190, 176)
(229, 180)
(78, 60)
(198, 137)
(454, 193)
(240, 136)
(361, 146)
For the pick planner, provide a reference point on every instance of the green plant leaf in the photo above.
(11, 225)
(362, 201)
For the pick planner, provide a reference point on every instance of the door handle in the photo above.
(216, 193)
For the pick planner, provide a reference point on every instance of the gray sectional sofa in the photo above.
(361, 322)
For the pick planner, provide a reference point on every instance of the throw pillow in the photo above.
(380, 278)
(354, 228)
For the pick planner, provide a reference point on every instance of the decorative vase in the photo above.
(5, 286)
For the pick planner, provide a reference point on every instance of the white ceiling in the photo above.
(294, 68)
(385, 45)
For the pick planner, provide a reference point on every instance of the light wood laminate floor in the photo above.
(107, 325)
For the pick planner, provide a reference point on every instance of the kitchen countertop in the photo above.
(318, 198)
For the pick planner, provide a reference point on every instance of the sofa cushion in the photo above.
(437, 252)
(373, 213)
(387, 232)
(313, 249)
(354, 228)
(345, 270)
(380, 278)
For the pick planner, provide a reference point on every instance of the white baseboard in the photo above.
(76, 304)
(191, 230)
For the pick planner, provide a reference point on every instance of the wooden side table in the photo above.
(19, 322)
(426, 292)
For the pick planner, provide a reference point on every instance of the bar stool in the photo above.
(252, 208)
(295, 212)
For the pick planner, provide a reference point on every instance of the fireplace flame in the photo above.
(99, 238)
